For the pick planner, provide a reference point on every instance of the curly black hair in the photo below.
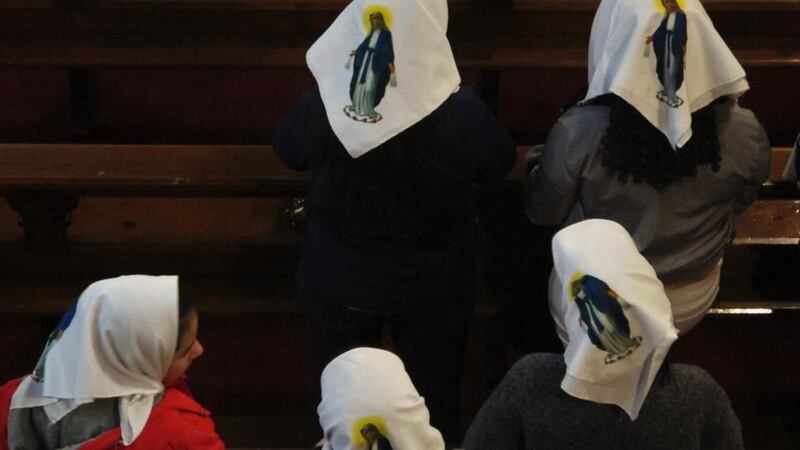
(633, 149)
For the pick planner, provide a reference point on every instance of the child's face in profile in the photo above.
(188, 350)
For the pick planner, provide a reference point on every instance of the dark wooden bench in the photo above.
(224, 72)
(45, 182)
(275, 33)
(181, 170)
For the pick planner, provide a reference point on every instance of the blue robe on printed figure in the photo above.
(383, 444)
(606, 324)
(380, 58)
(676, 39)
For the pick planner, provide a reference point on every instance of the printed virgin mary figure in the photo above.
(373, 67)
(63, 324)
(604, 318)
(375, 440)
(669, 44)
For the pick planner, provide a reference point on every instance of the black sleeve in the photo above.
(485, 150)
(302, 131)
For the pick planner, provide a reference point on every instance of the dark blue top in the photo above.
(408, 251)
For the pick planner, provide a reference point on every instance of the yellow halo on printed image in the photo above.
(386, 12)
(660, 6)
(573, 288)
(355, 434)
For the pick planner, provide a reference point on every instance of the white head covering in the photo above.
(120, 343)
(621, 62)
(369, 386)
(366, 103)
(611, 312)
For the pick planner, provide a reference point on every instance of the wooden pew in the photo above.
(206, 72)
(264, 33)
(238, 298)
(45, 182)
(183, 170)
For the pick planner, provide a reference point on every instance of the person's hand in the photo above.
(352, 53)
(648, 40)
(391, 67)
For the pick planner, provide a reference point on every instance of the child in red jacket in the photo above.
(111, 375)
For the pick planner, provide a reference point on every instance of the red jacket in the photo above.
(176, 422)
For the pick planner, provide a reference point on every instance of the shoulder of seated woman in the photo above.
(177, 400)
(583, 115)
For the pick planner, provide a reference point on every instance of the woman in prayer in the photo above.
(674, 176)
(112, 375)
(391, 234)
(369, 403)
(585, 399)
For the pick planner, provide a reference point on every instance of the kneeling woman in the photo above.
(610, 388)
(391, 235)
(673, 165)
(111, 374)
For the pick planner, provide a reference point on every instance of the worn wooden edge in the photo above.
(221, 170)
(252, 52)
(173, 170)
(236, 295)
(231, 259)
(210, 295)
(769, 222)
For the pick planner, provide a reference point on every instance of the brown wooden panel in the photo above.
(277, 257)
(180, 170)
(769, 222)
(28, 4)
(774, 98)
(24, 338)
(755, 379)
(218, 294)
(148, 170)
(780, 158)
(178, 51)
(245, 33)
(10, 231)
(179, 220)
(542, 24)
(194, 106)
(531, 100)
(34, 104)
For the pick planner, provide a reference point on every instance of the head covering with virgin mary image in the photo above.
(611, 313)
(664, 58)
(399, 69)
